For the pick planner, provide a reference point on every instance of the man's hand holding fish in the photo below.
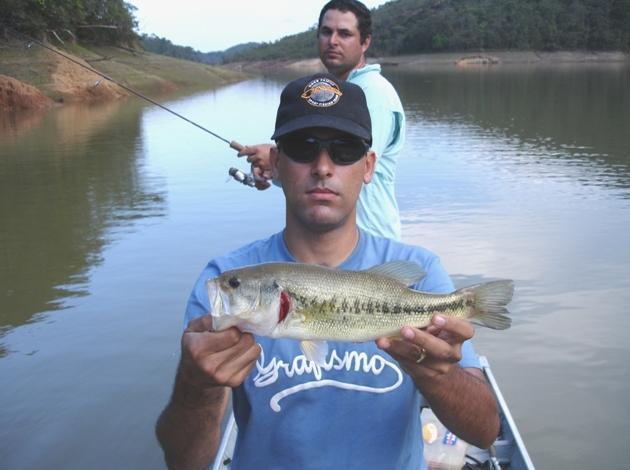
(430, 352)
(329, 337)
(212, 358)
(438, 375)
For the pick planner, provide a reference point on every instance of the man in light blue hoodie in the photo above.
(344, 35)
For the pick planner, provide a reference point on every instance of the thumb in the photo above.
(200, 324)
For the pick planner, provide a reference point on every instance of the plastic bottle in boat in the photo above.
(443, 450)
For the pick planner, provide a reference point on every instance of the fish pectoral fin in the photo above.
(405, 272)
(315, 351)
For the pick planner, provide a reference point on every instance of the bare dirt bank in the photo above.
(419, 61)
(506, 57)
(15, 94)
(60, 80)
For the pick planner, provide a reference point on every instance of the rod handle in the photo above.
(236, 146)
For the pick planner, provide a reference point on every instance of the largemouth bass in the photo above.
(313, 303)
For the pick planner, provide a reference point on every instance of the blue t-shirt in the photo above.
(359, 410)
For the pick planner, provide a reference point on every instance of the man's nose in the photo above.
(323, 165)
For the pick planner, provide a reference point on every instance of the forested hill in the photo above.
(95, 21)
(400, 27)
(159, 45)
(421, 26)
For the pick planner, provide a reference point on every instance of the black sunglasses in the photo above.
(303, 148)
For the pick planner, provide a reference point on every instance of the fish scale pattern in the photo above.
(359, 306)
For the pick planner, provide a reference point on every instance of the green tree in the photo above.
(41, 17)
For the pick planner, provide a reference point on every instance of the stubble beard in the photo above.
(320, 221)
(335, 67)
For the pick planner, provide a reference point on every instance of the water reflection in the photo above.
(525, 173)
(14, 124)
(64, 194)
(569, 117)
(492, 181)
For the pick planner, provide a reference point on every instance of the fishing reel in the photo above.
(242, 177)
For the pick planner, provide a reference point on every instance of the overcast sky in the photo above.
(216, 25)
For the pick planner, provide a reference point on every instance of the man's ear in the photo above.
(370, 165)
(366, 43)
(274, 154)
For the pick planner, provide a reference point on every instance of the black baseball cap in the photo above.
(322, 100)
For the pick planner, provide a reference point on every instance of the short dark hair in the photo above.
(364, 17)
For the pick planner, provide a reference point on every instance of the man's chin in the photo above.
(324, 222)
(333, 65)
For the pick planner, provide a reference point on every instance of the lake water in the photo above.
(109, 213)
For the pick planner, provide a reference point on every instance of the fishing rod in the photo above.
(238, 175)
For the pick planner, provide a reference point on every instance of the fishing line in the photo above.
(233, 144)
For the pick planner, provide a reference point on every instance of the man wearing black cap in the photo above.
(360, 408)
(344, 35)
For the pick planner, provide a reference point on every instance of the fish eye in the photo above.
(234, 282)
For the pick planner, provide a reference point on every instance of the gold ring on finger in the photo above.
(421, 356)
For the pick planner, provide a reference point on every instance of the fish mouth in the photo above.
(217, 304)
(223, 313)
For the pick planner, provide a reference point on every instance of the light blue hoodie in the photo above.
(377, 209)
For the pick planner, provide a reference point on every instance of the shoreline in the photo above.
(37, 78)
(442, 59)
(41, 79)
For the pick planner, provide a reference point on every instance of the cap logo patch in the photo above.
(321, 93)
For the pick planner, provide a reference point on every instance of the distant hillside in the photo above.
(296, 46)
(159, 45)
(423, 26)
(400, 27)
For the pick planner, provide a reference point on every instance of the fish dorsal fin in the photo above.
(405, 272)
(315, 351)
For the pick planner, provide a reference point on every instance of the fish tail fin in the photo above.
(490, 300)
